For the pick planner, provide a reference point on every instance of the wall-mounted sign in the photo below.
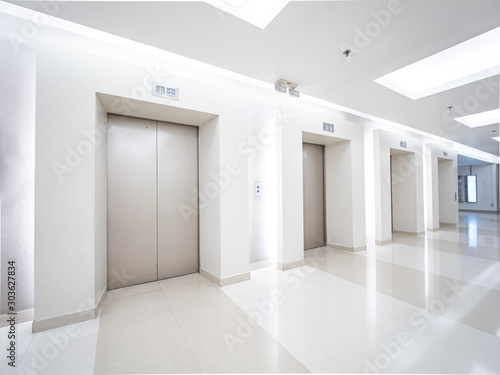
(403, 144)
(445, 153)
(164, 91)
(328, 127)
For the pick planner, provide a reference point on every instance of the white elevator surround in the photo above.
(152, 176)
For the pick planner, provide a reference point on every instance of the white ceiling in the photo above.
(464, 160)
(304, 44)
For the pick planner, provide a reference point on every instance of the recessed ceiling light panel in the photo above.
(259, 13)
(480, 119)
(467, 62)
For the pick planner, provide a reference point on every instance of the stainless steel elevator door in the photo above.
(177, 200)
(152, 181)
(314, 203)
(132, 248)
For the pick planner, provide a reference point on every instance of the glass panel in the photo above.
(471, 189)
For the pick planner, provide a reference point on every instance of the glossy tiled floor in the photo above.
(420, 305)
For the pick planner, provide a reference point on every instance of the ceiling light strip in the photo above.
(475, 59)
(480, 119)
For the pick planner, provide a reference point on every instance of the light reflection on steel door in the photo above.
(177, 187)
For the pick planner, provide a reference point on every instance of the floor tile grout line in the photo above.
(184, 336)
(420, 307)
(142, 320)
(366, 288)
(403, 245)
(27, 348)
(431, 273)
(459, 244)
(166, 300)
(340, 352)
(390, 248)
(240, 311)
(402, 313)
(191, 306)
(420, 271)
(331, 332)
(269, 333)
(64, 327)
(461, 254)
(497, 347)
(114, 298)
(249, 317)
(145, 320)
(32, 337)
(135, 295)
(60, 350)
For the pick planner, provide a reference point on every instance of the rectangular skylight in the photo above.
(259, 13)
(467, 62)
(480, 119)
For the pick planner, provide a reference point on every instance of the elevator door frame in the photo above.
(392, 202)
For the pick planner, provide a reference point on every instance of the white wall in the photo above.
(99, 138)
(234, 207)
(431, 188)
(65, 238)
(338, 191)
(345, 214)
(487, 187)
(17, 156)
(210, 258)
(263, 168)
(384, 142)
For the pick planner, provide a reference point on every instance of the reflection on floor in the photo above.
(420, 305)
